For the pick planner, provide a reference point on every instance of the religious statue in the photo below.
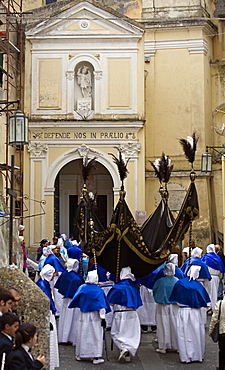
(84, 81)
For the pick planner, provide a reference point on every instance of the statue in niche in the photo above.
(84, 81)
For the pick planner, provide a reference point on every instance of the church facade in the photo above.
(130, 76)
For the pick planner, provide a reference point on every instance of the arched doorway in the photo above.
(68, 185)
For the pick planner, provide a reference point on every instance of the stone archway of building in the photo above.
(64, 183)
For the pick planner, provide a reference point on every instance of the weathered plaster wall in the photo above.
(33, 307)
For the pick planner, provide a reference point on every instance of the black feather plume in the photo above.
(122, 166)
(88, 165)
(162, 168)
(189, 146)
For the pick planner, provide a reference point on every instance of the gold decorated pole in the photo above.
(223, 191)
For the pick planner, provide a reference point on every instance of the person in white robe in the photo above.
(216, 268)
(125, 330)
(191, 296)
(93, 304)
(47, 273)
(166, 310)
(67, 320)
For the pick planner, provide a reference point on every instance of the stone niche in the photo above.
(33, 307)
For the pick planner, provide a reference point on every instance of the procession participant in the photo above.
(190, 295)
(216, 268)
(172, 258)
(54, 260)
(204, 274)
(6, 299)
(166, 310)
(67, 285)
(43, 243)
(47, 275)
(75, 250)
(93, 305)
(222, 257)
(9, 324)
(147, 311)
(125, 330)
(21, 358)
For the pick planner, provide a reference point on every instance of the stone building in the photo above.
(131, 75)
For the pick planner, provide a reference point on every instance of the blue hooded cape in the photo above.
(74, 252)
(54, 262)
(125, 293)
(163, 288)
(148, 281)
(204, 272)
(45, 287)
(68, 283)
(89, 298)
(212, 260)
(178, 274)
(190, 293)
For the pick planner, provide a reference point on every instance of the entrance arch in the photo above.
(64, 183)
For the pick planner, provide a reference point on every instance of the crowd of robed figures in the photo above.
(87, 300)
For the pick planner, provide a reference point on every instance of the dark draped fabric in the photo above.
(157, 226)
(189, 212)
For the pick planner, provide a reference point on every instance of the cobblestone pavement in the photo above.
(145, 359)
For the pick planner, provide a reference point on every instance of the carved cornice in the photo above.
(195, 46)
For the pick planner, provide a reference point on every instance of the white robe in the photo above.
(166, 322)
(213, 286)
(147, 311)
(125, 329)
(89, 340)
(54, 349)
(67, 323)
(106, 286)
(56, 295)
(190, 334)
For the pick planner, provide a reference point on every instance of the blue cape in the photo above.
(148, 281)
(163, 288)
(68, 283)
(125, 293)
(190, 293)
(212, 260)
(55, 262)
(89, 298)
(45, 287)
(74, 252)
(178, 274)
(204, 272)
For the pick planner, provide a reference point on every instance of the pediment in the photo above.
(85, 19)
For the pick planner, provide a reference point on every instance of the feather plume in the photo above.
(88, 166)
(189, 146)
(162, 168)
(122, 166)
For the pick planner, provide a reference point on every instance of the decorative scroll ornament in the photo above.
(37, 149)
(70, 75)
(84, 151)
(130, 150)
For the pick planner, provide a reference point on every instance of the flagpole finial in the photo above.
(192, 175)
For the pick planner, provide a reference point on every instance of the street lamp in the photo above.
(17, 135)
